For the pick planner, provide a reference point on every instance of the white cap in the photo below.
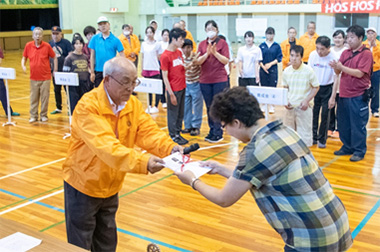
(372, 29)
(102, 19)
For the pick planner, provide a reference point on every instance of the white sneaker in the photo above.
(154, 110)
(376, 114)
(32, 120)
(164, 105)
(44, 119)
(263, 108)
(271, 110)
(148, 110)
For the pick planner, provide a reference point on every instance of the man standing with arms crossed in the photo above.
(355, 64)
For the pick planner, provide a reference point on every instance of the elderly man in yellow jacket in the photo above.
(374, 45)
(106, 125)
(130, 44)
(286, 45)
(307, 41)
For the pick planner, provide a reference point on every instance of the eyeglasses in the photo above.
(134, 83)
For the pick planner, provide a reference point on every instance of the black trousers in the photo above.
(334, 115)
(58, 95)
(159, 97)
(98, 78)
(243, 82)
(175, 113)
(321, 101)
(90, 222)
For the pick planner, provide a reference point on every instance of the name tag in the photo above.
(7, 73)
(67, 79)
(270, 95)
(147, 85)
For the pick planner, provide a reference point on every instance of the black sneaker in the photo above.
(185, 131)
(355, 158)
(215, 139)
(208, 137)
(195, 132)
(341, 153)
(180, 140)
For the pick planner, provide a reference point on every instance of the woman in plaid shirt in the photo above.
(280, 171)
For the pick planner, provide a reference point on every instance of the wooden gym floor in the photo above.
(158, 208)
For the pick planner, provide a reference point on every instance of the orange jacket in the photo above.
(190, 36)
(308, 45)
(97, 161)
(375, 53)
(129, 48)
(285, 48)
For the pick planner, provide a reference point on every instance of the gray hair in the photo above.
(116, 64)
(38, 29)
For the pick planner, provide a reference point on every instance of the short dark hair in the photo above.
(323, 40)
(165, 30)
(188, 42)
(76, 37)
(236, 103)
(312, 22)
(175, 33)
(270, 30)
(125, 25)
(213, 23)
(297, 49)
(357, 30)
(291, 27)
(337, 32)
(151, 28)
(249, 34)
(89, 29)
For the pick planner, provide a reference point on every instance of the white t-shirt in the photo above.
(320, 65)
(164, 45)
(249, 57)
(150, 53)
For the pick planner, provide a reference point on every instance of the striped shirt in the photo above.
(192, 74)
(292, 192)
(299, 82)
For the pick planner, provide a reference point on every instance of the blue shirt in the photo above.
(105, 49)
(270, 54)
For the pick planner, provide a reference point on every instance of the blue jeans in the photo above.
(375, 79)
(193, 106)
(208, 92)
(353, 116)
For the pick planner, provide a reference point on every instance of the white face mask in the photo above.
(211, 34)
(126, 33)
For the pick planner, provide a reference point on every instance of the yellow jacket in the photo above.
(308, 45)
(375, 53)
(285, 48)
(190, 36)
(133, 47)
(97, 161)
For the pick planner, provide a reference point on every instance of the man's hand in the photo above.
(331, 102)
(24, 69)
(155, 164)
(304, 105)
(177, 148)
(213, 49)
(173, 99)
(186, 177)
(92, 77)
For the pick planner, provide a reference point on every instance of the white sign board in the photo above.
(153, 86)
(256, 25)
(67, 79)
(7, 73)
(270, 95)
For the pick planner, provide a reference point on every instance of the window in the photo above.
(344, 20)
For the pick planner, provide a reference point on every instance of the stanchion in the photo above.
(67, 79)
(8, 73)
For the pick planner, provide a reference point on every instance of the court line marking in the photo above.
(33, 168)
(34, 201)
(365, 220)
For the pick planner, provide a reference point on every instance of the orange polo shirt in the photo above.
(308, 45)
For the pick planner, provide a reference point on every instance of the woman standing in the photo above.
(214, 55)
(249, 57)
(272, 55)
(338, 37)
(151, 51)
(77, 62)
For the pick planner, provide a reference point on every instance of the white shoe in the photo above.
(271, 110)
(376, 114)
(154, 110)
(44, 119)
(164, 105)
(263, 108)
(148, 110)
(32, 120)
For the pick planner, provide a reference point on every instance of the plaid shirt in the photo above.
(292, 192)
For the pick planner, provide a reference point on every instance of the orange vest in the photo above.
(308, 45)
(129, 48)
